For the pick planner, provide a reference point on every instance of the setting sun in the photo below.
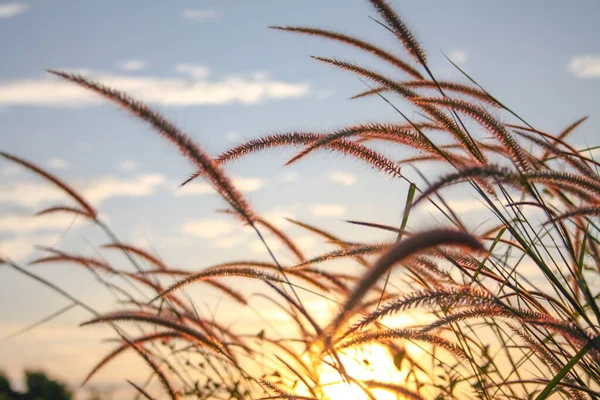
(373, 363)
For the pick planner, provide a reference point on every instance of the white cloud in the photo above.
(29, 194)
(127, 165)
(58, 163)
(289, 176)
(229, 242)
(585, 66)
(327, 210)
(131, 65)
(209, 228)
(458, 206)
(193, 89)
(193, 70)
(8, 10)
(244, 185)
(278, 218)
(302, 242)
(20, 247)
(342, 178)
(97, 190)
(23, 223)
(105, 188)
(200, 15)
(459, 57)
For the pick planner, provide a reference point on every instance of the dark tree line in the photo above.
(38, 387)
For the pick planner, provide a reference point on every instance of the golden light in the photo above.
(370, 363)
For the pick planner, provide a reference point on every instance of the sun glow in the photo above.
(372, 363)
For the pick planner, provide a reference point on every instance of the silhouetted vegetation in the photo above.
(38, 387)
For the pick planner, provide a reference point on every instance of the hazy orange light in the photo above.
(373, 362)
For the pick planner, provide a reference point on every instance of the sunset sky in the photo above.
(218, 72)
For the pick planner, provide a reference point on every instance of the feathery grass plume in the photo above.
(578, 212)
(334, 279)
(395, 334)
(328, 236)
(231, 269)
(489, 122)
(401, 31)
(399, 252)
(251, 273)
(360, 44)
(281, 235)
(356, 150)
(87, 262)
(68, 210)
(88, 210)
(157, 320)
(281, 393)
(564, 180)
(444, 297)
(549, 358)
(553, 141)
(234, 294)
(285, 239)
(138, 252)
(574, 160)
(146, 338)
(446, 85)
(399, 134)
(438, 116)
(358, 250)
(502, 174)
(485, 311)
(183, 142)
(566, 132)
(391, 387)
(173, 394)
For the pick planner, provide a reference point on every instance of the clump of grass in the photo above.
(485, 330)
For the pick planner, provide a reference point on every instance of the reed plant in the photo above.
(485, 330)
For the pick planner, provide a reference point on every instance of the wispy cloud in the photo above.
(199, 14)
(303, 242)
(131, 65)
(191, 86)
(585, 66)
(342, 178)
(8, 10)
(278, 218)
(127, 165)
(327, 210)
(244, 185)
(459, 206)
(108, 187)
(96, 190)
(459, 57)
(58, 163)
(25, 223)
(20, 247)
(192, 70)
(209, 228)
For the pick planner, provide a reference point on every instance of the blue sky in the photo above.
(215, 70)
